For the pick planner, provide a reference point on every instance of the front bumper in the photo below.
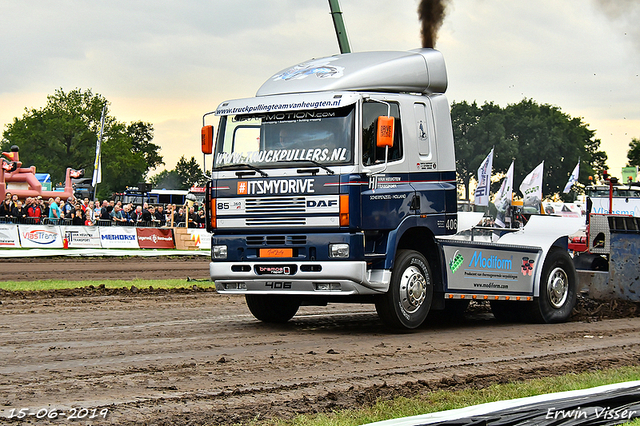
(299, 278)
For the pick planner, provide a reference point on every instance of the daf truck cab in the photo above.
(337, 183)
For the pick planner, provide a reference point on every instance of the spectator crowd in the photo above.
(56, 211)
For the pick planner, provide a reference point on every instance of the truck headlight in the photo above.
(339, 250)
(219, 252)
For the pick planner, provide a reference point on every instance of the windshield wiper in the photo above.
(315, 163)
(241, 166)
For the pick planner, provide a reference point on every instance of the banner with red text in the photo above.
(40, 236)
(155, 238)
(9, 236)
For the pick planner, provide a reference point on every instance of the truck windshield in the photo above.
(270, 139)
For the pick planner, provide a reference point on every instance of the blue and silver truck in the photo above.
(337, 183)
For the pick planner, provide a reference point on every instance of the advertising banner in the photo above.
(623, 206)
(40, 236)
(201, 237)
(81, 236)
(155, 238)
(478, 269)
(118, 237)
(9, 236)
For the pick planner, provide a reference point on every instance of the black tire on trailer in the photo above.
(407, 303)
(272, 308)
(558, 289)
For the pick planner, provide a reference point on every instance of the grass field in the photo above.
(444, 400)
(62, 284)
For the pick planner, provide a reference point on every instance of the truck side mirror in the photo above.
(207, 139)
(385, 131)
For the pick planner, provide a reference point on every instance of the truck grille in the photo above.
(276, 240)
(275, 205)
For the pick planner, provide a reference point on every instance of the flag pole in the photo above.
(97, 164)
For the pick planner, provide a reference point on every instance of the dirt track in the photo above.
(196, 357)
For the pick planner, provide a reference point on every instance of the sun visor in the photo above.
(416, 71)
(300, 101)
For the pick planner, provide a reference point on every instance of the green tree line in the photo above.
(63, 134)
(528, 133)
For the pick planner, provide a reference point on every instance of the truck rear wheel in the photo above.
(557, 289)
(272, 308)
(407, 302)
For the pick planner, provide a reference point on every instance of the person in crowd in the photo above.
(160, 217)
(172, 215)
(116, 215)
(126, 214)
(148, 216)
(78, 216)
(89, 219)
(192, 218)
(180, 219)
(96, 210)
(63, 208)
(105, 212)
(137, 215)
(44, 207)
(9, 196)
(201, 218)
(54, 212)
(33, 211)
(6, 211)
(19, 213)
(69, 207)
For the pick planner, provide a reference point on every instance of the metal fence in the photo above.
(99, 222)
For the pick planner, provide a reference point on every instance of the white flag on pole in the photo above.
(504, 197)
(481, 195)
(531, 188)
(97, 164)
(573, 178)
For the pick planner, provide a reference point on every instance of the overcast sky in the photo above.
(169, 62)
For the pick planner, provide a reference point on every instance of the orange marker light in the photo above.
(344, 210)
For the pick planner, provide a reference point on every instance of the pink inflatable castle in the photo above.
(23, 181)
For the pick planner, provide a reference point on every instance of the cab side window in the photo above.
(371, 154)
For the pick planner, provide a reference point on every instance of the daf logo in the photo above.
(321, 203)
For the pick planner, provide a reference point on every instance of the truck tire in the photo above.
(558, 285)
(407, 303)
(272, 308)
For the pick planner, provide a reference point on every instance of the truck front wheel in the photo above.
(407, 302)
(273, 308)
(557, 289)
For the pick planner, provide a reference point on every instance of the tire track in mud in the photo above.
(200, 358)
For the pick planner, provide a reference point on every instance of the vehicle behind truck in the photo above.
(337, 183)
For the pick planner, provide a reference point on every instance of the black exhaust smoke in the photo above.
(431, 14)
